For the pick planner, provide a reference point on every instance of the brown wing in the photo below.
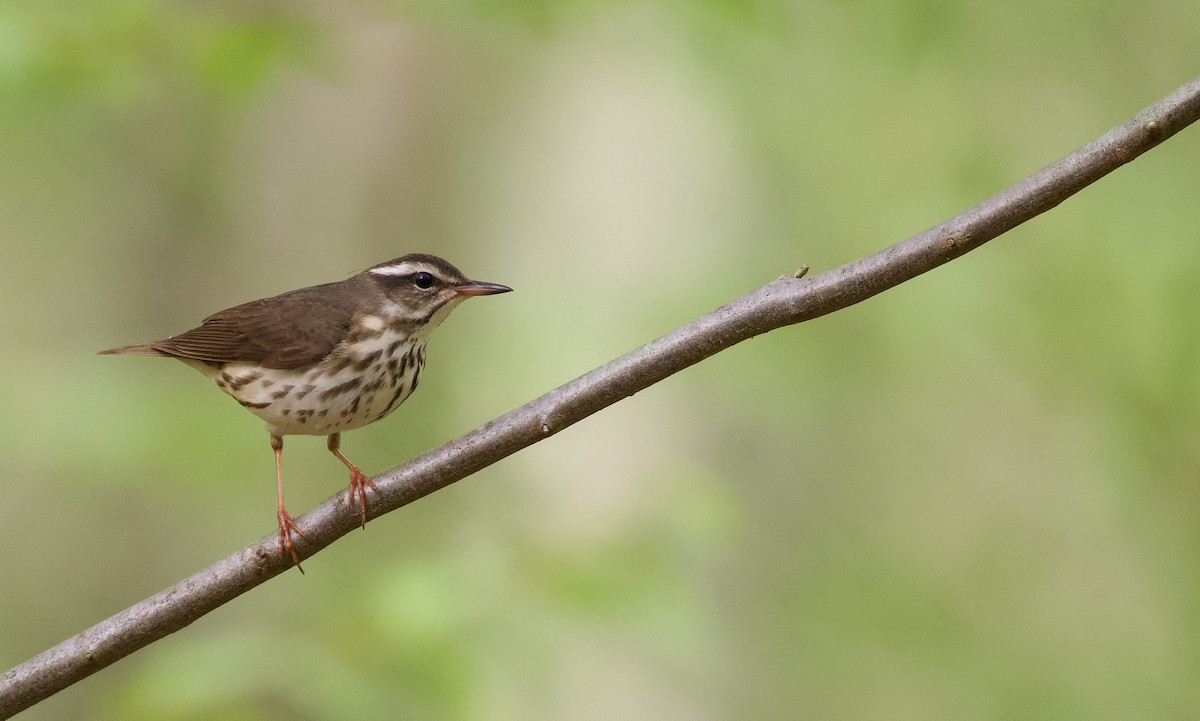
(287, 331)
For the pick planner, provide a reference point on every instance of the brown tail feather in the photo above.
(143, 349)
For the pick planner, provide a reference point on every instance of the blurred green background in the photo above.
(973, 497)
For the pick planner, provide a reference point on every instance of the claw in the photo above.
(287, 525)
(359, 483)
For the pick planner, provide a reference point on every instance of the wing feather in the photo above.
(283, 332)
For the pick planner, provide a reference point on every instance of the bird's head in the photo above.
(425, 288)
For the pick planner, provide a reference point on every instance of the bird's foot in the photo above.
(287, 525)
(359, 483)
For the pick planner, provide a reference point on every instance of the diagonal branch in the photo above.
(785, 301)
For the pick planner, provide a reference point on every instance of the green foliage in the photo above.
(968, 498)
(120, 51)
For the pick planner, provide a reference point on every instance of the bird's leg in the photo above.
(286, 523)
(359, 482)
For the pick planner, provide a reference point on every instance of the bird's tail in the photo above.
(142, 349)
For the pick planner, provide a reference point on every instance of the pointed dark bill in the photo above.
(479, 287)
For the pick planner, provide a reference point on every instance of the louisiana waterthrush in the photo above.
(318, 361)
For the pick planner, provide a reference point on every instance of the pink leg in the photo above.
(359, 482)
(286, 523)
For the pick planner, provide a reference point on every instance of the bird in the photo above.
(325, 359)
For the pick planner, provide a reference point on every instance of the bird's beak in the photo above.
(479, 287)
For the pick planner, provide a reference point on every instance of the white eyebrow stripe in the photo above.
(401, 269)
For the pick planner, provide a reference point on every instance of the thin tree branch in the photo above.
(785, 301)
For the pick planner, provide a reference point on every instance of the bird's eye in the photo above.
(423, 280)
